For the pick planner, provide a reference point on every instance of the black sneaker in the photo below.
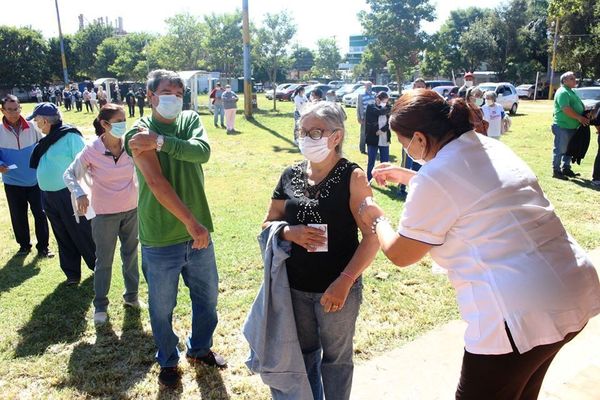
(223, 126)
(559, 175)
(45, 254)
(569, 173)
(169, 377)
(73, 281)
(23, 251)
(216, 126)
(212, 359)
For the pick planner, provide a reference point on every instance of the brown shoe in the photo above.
(169, 377)
(212, 359)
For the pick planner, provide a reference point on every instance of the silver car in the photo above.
(506, 94)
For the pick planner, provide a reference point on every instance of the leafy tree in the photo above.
(477, 44)
(54, 59)
(371, 64)
(327, 60)
(181, 48)
(223, 43)
(129, 62)
(395, 28)
(271, 43)
(24, 55)
(85, 44)
(302, 59)
(579, 41)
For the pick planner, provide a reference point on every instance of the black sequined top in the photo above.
(325, 203)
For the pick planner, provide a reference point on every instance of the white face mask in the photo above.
(169, 106)
(118, 129)
(419, 160)
(314, 150)
(383, 103)
(468, 83)
(490, 102)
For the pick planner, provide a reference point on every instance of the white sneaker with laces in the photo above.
(100, 317)
(134, 304)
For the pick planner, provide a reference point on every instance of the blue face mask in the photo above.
(118, 129)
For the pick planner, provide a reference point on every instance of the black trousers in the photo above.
(79, 105)
(510, 376)
(74, 239)
(141, 107)
(88, 106)
(18, 197)
(596, 173)
(131, 107)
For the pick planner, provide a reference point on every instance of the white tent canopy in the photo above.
(106, 82)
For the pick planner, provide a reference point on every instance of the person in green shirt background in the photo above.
(168, 149)
(568, 110)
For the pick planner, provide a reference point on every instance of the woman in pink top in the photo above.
(110, 173)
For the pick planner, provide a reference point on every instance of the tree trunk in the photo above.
(399, 78)
(272, 76)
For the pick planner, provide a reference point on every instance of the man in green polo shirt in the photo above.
(169, 148)
(568, 110)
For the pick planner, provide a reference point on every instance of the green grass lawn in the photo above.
(50, 349)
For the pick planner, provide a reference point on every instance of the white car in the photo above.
(350, 99)
(526, 91)
(506, 94)
(590, 96)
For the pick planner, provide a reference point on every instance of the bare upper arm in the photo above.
(147, 163)
(359, 189)
(276, 212)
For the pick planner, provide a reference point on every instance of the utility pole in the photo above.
(553, 65)
(247, 77)
(62, 47)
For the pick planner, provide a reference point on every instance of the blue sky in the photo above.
(315, 18)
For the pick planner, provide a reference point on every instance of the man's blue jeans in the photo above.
(326, 342)
(162, 267)
(219, 112)
(562, 136)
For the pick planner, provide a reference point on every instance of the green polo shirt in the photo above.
(566, 97)
(181, 157)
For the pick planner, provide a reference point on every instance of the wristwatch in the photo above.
(160, 140)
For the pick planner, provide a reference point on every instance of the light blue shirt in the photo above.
(56, 160)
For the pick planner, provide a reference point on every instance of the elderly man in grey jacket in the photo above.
(361, 109)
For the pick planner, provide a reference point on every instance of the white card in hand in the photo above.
(12, 166)
(324, 248)
(90, 213)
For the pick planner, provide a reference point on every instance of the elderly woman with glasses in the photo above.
(319, 198)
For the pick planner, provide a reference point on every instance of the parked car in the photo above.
(590, 96)
(287, 93)
(336, 84)
(434, 84)
(351, 99)
(309, 89)
(346, 89)
(452, 90)
(271, 93)
(506, 92)
(526, 91)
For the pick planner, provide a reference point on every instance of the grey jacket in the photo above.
(270, 327)
(361, 108)
(229, 100)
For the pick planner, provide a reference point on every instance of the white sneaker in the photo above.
(596, 183)
(134, 304)
(100, 317)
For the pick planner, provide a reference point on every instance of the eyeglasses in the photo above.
(12, 110)
(315, 134)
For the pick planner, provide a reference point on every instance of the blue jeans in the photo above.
(219, 111)
(162, 267)
(409, 163)
(384, 156)
(562, 136)
(105, 230)
(326, 342)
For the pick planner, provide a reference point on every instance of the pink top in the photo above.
(114, 187)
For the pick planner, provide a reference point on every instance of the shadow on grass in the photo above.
(210, 383)
(390, 191)
(60, 318)
(15, 272)
(112, 365)
(586, 183)
(274, 133)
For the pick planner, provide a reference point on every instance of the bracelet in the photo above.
(347, 275)
(381, 218)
